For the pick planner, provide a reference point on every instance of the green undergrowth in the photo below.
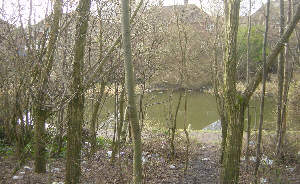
(6, 149)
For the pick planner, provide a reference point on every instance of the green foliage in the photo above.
(256, 42)
(54, 148)
(256, 45)
(103, 142)
(5, 149)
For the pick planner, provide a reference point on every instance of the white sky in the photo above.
(11, 10)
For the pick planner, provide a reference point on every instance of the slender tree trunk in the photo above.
(7, 117)
(186, 132)
(40, 111)
(19, 130)
(117, 143)
(102, 87)
(280, 75)
(174, 126)
(60, 132)
(121, 109)
(216, 84)
(95, 117)
(76, 105)
(262, 104)
(286, 83)
(116, 124)
(248, 79)
(130, 85)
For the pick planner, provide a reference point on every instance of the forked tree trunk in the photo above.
(235, 103)
(76, 105)
(130, 85)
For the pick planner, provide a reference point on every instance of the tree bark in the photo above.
(248, 79)
(76, 105)
(262, 104)
(174, 126)
(130, 85)
(217, 82)
(234, 103)
(280, 76)
(95, 117)
(286, 83)
(40, 111)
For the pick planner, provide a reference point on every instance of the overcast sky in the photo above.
(40, 9)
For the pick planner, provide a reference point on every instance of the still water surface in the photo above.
(201, 110)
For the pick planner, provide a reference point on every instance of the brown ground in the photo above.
(158, 167)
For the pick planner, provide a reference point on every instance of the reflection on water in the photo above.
(201, 110)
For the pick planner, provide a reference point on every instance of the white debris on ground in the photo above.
(172, 166)
(55, 170)
(17, 177)
(214, 126)
(109, 153)
(263, 180)
(252, 143)
(144, 159)
(205, 159)
(291, 169)
(266, 160)
(252, 159)
(27, 168)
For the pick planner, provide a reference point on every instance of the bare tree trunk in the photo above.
(286, 83)
(280, 75)
(185, 128)
(116, 124)
(120, 127)
(19, 130)
(216, 85)
(102, 87)
(130, 85)
(76, 105)
(60, 127)
(234, 104)
(95, 117)
(40, 111)
(262, 104)
(174, 126)
(248, 79)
